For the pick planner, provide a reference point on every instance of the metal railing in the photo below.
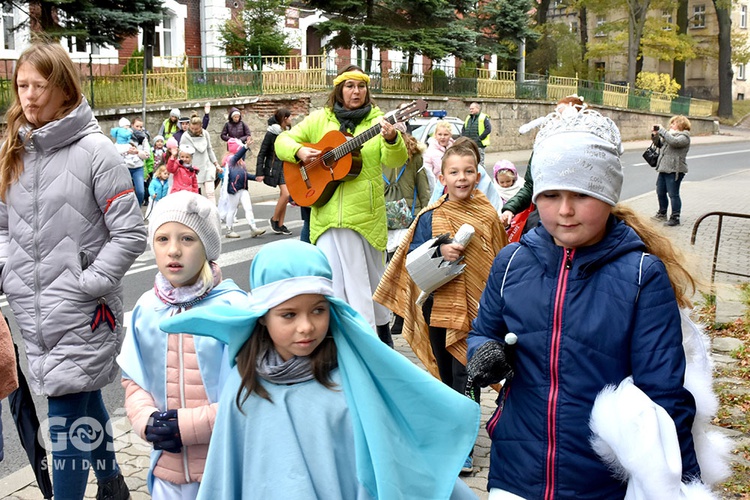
(110, 82)
(717, 241)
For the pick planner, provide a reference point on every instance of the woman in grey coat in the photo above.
(70, 227)
(671, 166)
(204, 158)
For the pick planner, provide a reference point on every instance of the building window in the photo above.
(666, 15)
(574, 27)
(9, 41)
(600, 20)
(740, 71)
(699, 16)
(743, 16)
(600, 69)
(163, 42)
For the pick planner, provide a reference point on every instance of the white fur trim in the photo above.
(712, 448)
(638, 440)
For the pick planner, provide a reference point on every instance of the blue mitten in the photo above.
(164, 431)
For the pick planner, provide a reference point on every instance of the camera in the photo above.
(656, 128)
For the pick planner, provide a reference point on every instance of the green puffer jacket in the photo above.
(358, 204)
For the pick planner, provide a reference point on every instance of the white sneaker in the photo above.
(232, 234)
(257, 232)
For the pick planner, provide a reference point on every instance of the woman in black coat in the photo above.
(271, 169)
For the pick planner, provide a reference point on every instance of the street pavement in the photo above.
(728, 193)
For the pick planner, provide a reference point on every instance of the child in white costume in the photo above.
(172, 383)
(316, 405)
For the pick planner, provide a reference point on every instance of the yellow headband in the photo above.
(351, 75)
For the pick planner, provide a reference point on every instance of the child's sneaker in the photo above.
(468, 467)
(254, 232)
(232, 234)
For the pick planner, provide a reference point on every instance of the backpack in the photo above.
(398, 213)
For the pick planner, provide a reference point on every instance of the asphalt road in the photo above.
(705, 161)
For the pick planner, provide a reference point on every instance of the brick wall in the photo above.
(192, 27)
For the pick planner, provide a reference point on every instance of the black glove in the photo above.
(488, 365)
(164, 431)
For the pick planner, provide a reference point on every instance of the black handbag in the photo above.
(651, 155)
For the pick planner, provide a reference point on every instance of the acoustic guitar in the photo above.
(313, 183)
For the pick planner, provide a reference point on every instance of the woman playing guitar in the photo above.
(350, 227)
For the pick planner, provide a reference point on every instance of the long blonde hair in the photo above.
(683, 283)
(55, 65)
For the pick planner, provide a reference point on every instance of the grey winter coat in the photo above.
(204, 158)
(69, 230)
(675, 145)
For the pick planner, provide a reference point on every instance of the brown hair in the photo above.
(683, 283)
(337, 94)
(681, 121)
(412, 146)
(55, 65)
(572, 100)
(463, 146)
(323, 362)
(281, 114)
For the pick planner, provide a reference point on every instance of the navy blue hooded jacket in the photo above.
(582, 322)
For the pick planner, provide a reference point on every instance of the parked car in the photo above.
(423, 127)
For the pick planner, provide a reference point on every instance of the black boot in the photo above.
(384, 333)
(113, 489)
(674, 220)
(398, 325)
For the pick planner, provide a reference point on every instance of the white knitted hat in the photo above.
(579, 152)
(124, 122)
(187, 148)
(174, 112)
(194, 211)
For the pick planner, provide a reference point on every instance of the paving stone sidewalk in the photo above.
(727, 193)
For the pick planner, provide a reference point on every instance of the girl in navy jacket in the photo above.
(584, 301)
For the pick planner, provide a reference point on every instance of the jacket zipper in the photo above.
(37, 312)
(182, 403)
(562, 283)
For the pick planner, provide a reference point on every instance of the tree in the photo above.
(256, 30)
(427, 27)
(503, 24)
(100, 22)
(679, 66)
(725, 56)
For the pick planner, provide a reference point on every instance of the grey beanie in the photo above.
(175, 112)
(579, 152)
(194, 211)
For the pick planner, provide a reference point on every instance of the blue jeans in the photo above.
(81, 436)
(304, 235)
(137, 175)
(668, 185)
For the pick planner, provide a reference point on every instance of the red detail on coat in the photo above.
(121, 193)
(554, 359)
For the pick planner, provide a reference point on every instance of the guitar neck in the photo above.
(356, 142)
